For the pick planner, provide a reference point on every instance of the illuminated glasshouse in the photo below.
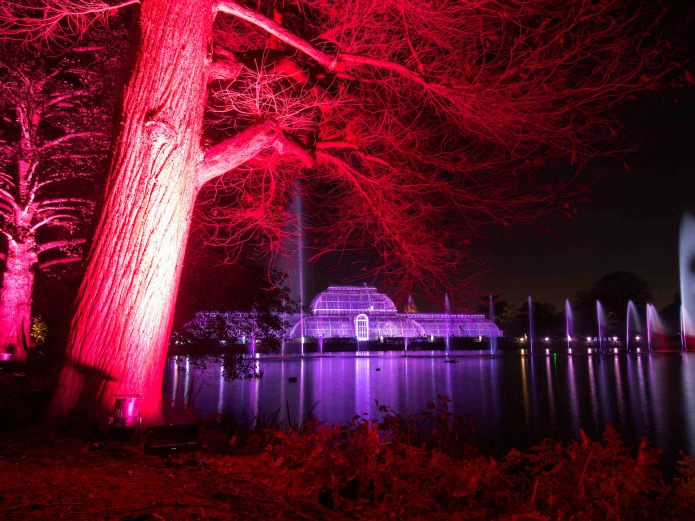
(362, 313)
(345, 315)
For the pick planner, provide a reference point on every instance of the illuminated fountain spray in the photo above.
(684, 336)
(652, 324)
(568, 325)
(447, 311)
(632, 323)
(599, 321)
(410, 308)
(686, 262)
(493, 339)
(293, 264)
(530, 324)
(297, 268)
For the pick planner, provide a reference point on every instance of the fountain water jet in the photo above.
(633, 320)
(447, 310)
(568, 325)
(686, 260)
(409, 308)
(493, 339)
(530, 324)
(653, 325)
(650, 309)
(600, 320)
(295, 263)
(684, 336)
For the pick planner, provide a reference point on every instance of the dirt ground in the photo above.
(49, 476)
(66, 478)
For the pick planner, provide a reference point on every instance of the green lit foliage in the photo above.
(39, 330)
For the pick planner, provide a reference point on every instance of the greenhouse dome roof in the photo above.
(350, 300)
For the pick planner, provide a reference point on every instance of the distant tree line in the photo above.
(614, 291)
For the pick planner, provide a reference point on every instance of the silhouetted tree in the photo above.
(502, 310)
(614, 291)
(415, 126)
(547, 321)
(221, 300)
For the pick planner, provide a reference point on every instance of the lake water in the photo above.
(513, 400)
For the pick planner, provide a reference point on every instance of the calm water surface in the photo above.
(513, 400)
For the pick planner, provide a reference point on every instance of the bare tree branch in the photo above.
(53, 262)
(223, 157)
(55, 219)
(67, 137)
(232, 8)
(59, 244)
(60, 20)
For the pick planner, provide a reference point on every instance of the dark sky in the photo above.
(631, 223)
(632, 220)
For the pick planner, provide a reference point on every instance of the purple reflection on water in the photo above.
(513, 401)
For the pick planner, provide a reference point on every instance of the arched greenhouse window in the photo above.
(362, 327)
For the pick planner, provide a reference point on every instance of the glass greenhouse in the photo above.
(361, 312)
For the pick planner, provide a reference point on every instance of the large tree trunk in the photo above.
(15, 298)
(119, 335)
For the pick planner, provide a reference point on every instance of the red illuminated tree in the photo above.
(415, 129)
(52, 141)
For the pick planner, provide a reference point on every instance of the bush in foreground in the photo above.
(410, 467)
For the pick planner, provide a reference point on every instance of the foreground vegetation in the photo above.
(420, 466)
(423, 466)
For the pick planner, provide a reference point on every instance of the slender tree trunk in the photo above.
(119, 335)
(15, 298)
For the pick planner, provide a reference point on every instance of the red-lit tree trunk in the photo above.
(119, 334)
(15, 297)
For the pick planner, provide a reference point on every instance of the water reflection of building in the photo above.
(363, 314)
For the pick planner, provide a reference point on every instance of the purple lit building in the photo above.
(350, 318)
(365, 315)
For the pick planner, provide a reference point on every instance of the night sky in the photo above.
(631, 222)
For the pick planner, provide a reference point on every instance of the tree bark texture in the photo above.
(15, 298)
(120, 333)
